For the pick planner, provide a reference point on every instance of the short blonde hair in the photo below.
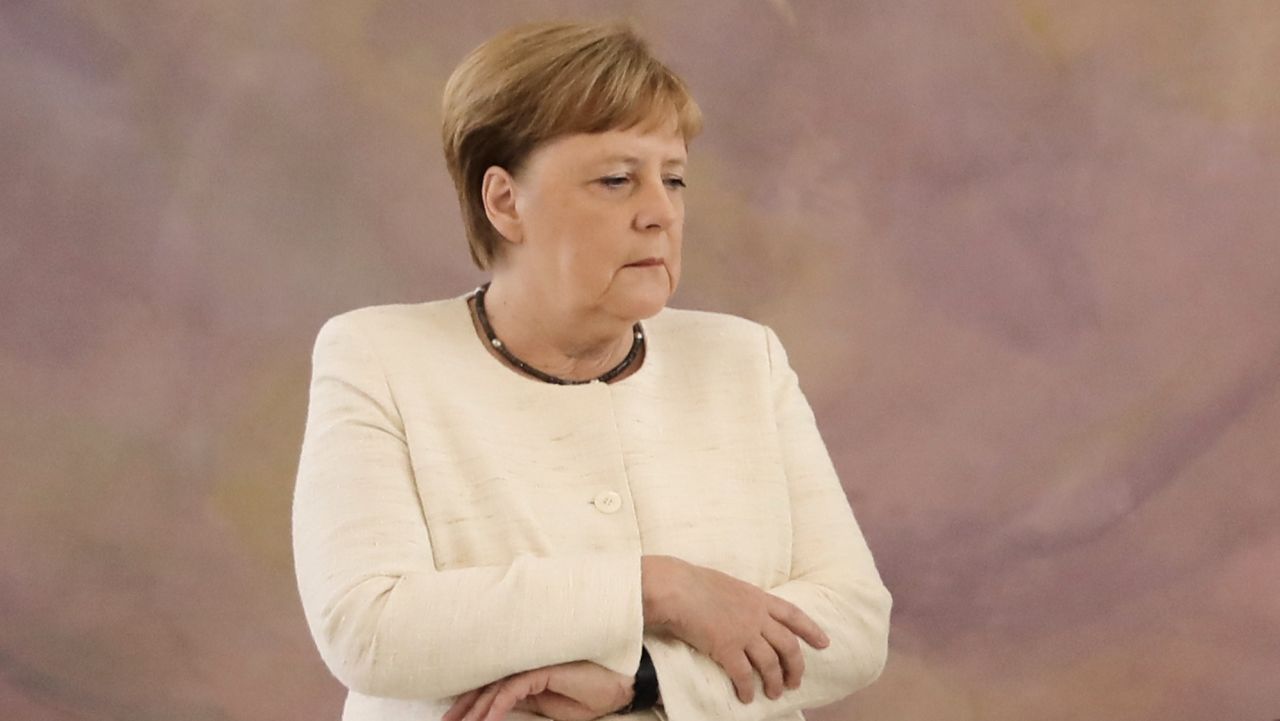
(537, 82)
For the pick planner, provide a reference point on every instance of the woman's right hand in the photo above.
(737, 625)
(575, 691)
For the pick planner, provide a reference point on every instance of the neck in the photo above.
(567, 342)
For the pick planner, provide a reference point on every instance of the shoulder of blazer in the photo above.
(392, 316)
(711, 337)
(723, 328)
(405, 338)
(389, 326)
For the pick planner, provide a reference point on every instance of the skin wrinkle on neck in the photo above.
(590, 362)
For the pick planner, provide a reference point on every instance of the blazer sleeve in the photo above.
(833, 579)
(385, 620)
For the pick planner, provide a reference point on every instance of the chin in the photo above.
(638, 306)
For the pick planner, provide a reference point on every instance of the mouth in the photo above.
(646, 263)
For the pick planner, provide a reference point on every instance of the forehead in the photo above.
(639, 146)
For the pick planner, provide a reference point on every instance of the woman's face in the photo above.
(600, 218)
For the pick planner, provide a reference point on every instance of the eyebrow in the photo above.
(633, 160)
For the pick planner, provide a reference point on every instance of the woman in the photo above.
(552, 497)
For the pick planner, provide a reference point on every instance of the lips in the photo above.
(647, 262)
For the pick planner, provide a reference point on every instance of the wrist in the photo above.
(656, 590)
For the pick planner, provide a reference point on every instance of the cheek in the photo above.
(674, 263)
(578, 250)
(588, 259)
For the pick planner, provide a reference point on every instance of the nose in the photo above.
(657, 206)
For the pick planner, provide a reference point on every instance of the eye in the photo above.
(614, 181)
(675, 181)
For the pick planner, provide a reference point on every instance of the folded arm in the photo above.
(833, 580)
(385, 620)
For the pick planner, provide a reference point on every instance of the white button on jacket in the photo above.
(607, 501)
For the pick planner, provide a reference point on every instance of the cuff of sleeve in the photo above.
(620, 591)
(679, 676)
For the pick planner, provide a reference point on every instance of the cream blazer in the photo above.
(455, 522)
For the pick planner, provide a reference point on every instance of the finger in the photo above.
(513, 690)
(765, 659)
(461, 705)
(503, 702)
(557, 706)
(483, 702)
(738, 667)
(790, 615)
(786, 645)
(532, 704)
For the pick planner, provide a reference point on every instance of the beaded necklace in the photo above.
(637, 344)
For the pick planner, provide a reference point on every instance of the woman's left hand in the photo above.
(576, 691)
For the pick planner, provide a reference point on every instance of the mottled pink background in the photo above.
(1024, 253)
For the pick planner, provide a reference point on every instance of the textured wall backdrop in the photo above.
(1024, 253)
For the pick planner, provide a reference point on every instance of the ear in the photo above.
(499, 193)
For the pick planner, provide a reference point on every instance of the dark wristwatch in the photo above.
(646, 693)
